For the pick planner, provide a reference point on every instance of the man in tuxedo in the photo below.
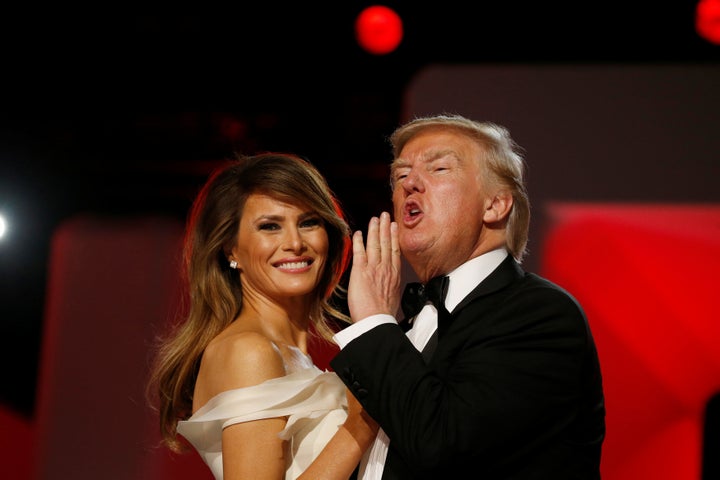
(497, 375)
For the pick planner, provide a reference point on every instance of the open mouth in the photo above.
(412, 211)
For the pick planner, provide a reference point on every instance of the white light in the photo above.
(3, 227)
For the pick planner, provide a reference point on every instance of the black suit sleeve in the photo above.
(514, 379)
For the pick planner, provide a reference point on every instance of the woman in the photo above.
(265, 248)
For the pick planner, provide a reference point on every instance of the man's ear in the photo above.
(497, 207)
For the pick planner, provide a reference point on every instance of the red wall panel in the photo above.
(647, 277)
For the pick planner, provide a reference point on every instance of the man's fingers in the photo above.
(374, 282)
(385, 240)
(359, 256)
(381, 245)
(373, 241)
(395, 246)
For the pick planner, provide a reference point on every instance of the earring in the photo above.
(233, 264)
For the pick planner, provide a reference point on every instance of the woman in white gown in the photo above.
(265, 249)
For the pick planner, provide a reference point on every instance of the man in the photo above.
(513, 388)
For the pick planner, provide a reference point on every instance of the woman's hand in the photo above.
(343, 452)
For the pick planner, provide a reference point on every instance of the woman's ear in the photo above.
(232, 260)
(498, 207)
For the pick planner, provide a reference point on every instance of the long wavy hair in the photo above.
(215, 292)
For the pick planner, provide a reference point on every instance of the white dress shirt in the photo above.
(462, 281)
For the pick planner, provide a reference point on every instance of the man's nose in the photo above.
(412, 182)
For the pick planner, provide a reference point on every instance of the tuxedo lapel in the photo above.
(507, 272)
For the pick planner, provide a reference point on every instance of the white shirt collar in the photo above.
(468, 275)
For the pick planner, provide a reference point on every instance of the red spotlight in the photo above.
(378, 29)
(707, 20)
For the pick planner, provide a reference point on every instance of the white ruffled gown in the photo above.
(313, 400)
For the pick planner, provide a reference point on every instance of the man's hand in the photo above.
(374, 285)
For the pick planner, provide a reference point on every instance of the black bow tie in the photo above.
(416, 295)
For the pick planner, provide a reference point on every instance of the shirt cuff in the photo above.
(351, 332)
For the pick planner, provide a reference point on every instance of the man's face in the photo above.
(439, 199)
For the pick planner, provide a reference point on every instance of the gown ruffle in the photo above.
(314, 402)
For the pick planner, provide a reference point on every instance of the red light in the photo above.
(707, 20)
(378, 30)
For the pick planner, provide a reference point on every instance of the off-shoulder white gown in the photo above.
(314, 402)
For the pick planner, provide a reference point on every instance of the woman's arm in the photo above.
(342, 454)
(249, 449)
(254, 450)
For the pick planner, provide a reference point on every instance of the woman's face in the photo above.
(281, 248)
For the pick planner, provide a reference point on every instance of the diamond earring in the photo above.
(233, 264)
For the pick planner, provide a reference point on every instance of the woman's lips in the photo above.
(294, 264)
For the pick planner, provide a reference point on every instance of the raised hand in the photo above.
(374, 285)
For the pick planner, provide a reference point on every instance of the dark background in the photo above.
(122, 112)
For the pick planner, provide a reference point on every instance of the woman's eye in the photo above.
(268, 226)
(311, 222)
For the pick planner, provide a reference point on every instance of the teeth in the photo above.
(414, 211)
(293, 265)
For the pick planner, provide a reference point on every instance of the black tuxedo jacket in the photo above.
(513, 390)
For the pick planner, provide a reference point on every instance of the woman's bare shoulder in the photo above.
(237, 360)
